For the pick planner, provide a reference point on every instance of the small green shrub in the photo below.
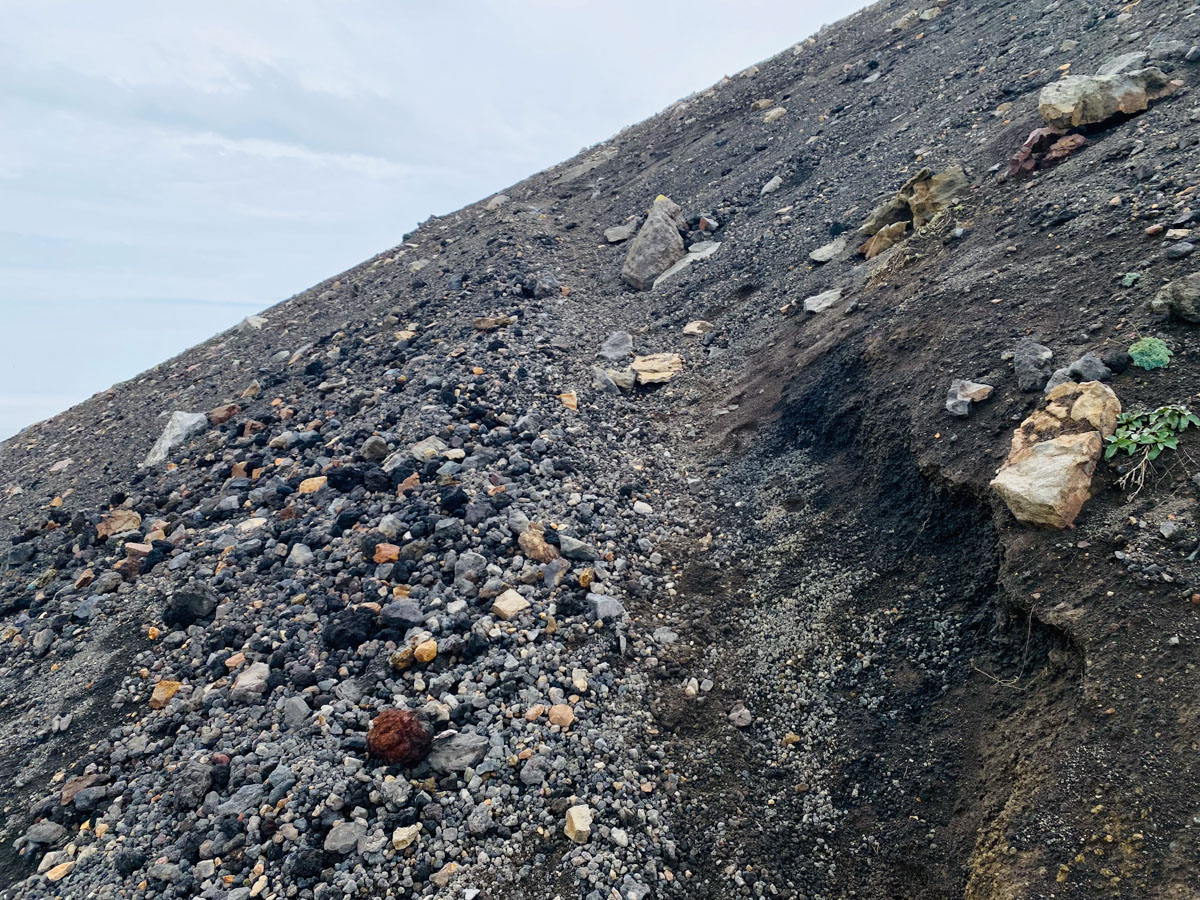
(1150, 353)
(1146, 435)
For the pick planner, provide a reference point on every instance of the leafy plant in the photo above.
(1146, 435)
(1150, 353)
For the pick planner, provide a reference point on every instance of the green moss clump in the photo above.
(1150, 353)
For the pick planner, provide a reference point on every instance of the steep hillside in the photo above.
(450, 590)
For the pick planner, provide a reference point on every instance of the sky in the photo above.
(167, 169)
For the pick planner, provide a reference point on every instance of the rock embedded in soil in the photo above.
(963, 394)
(1047, 476)
(1180, 298)
(827, 252)
(1078, 100)
(1031, 362)
(344, 837)
(823, 301)
(657, 368)
(454, 751)
(509, 605)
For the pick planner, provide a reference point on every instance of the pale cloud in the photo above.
(363, 164)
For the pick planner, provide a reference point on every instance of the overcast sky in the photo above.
(168, 168)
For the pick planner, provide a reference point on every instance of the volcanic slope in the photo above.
(754, 627)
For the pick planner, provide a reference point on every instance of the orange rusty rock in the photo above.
(386, 553)
(163, 692)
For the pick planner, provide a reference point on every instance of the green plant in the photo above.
(1150, 353)
(1146, 435)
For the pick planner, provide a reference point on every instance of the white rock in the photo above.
(822, 301)
(509, 604)
(180, 427)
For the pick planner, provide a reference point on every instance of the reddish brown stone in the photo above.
(223, 414)
(386, 553)
(398, 736)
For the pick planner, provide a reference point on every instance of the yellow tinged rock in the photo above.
(657, 367)
(312, 485)
(163, 692)
(426, 651)
(405, 837)
(774, 115)
(561, 715)
(59, 872)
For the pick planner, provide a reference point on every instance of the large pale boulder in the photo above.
(1048, 474)
(1050, 483)
(1079, 100)
(657, 247)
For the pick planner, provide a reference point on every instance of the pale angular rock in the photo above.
(917, 201)
(822, 301)
(405, 836)
(1091, 99)
(657, 247)
(657, 368)
(578, 827)
(509, 604)
(425, 450)
(1120, 65)
(180, 427)
(884, 239)
(623, 232)
(455, 751)
(1047, 476)
(695, 253)
(118, 521)
(251, 683)
(1049, 484)
(624, 379)
(300, 555)
(697, 328)
(830, 251)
